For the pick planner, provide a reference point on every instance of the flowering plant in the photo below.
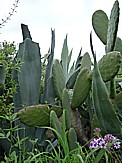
(109, 141)
(107, 148)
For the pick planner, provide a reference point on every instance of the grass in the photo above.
(58, 152)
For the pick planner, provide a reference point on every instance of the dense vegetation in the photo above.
(51, 111)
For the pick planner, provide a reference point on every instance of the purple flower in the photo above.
(93, 143)
(109, 138)
(109, 141)
(102, 143)
(97, 129)
(117, 145)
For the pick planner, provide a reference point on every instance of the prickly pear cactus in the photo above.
(104, 110)
(67, 107)
(109, 65)
(113, 27)
(86, 61)
(100, 25)
(72, 139)
(81, 88)
(55, 123)
(38, 115)
(119, 101)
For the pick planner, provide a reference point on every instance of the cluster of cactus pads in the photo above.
(83, 93)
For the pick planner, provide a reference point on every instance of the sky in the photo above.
(71, 17)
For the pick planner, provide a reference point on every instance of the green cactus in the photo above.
(55, 123)
(112, 27)
(81, 88)
(72, 139)
(100, 25)
(119, 101)
(38, 115)
(67, 107)
(118, 47)
(103, 107)
(59, 79)
(86, 61)
(106, 29)
(109, 65)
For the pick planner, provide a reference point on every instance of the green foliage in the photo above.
(50, 94)
(103, 107)
(7, 84)
(113, 43)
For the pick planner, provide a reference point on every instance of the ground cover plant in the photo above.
(53, 112)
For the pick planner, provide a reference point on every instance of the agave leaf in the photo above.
(78, 61)
(25, 32)
(69, 59)
(65, 59)
(71, 81)
(59, 79)
(49, 66)
(71, 71)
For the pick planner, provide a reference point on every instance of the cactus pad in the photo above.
(100, 25)
(113, 27)
(72, 139)
(81, 88)
(109, 65)
(38, 115)
(67, 107)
